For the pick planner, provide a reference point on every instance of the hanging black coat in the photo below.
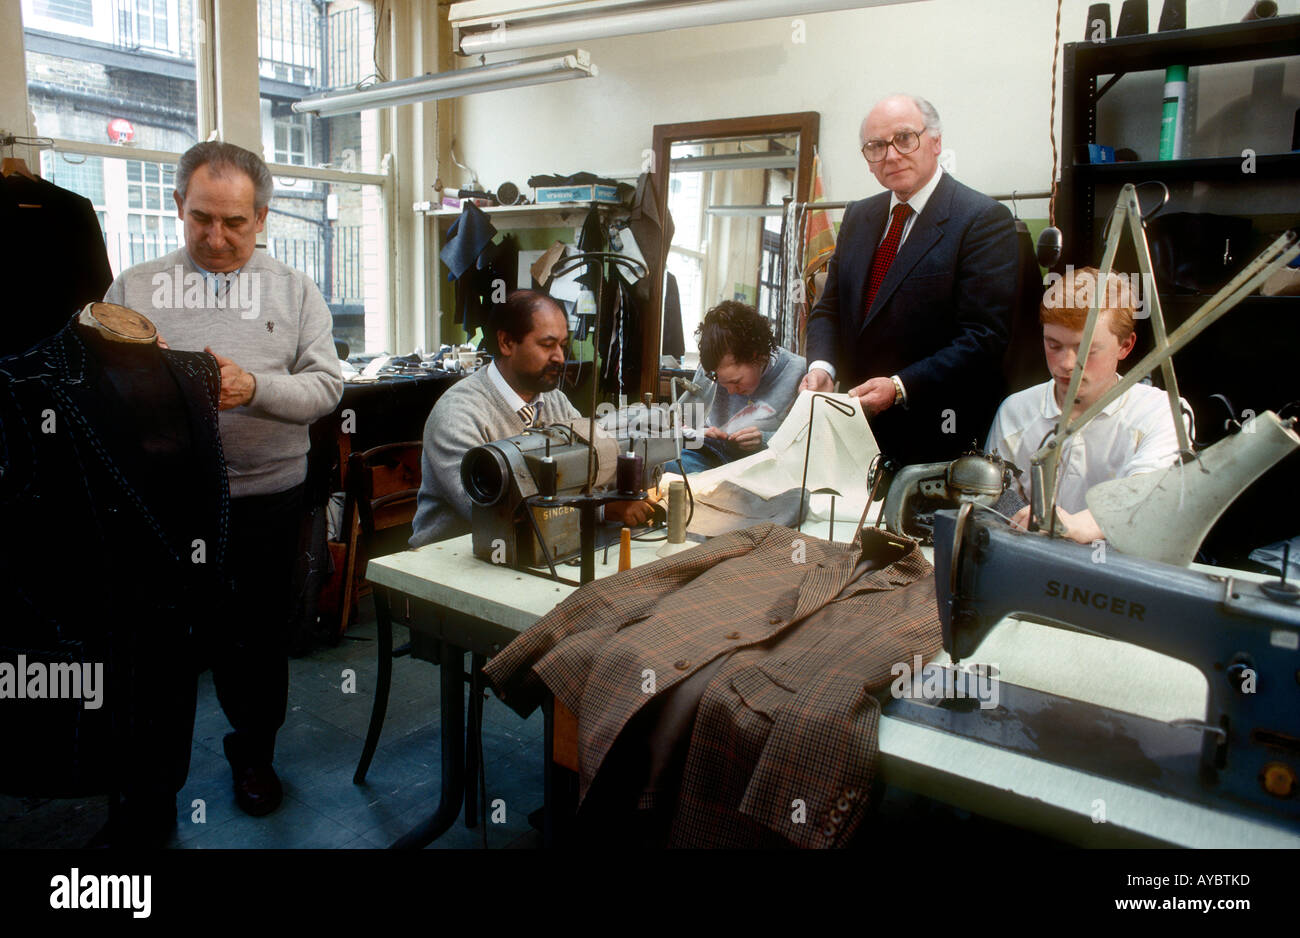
(52, 253)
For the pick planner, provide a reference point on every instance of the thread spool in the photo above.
(677, 513)
(1098, 25)
(676, 521)
(1173, 16)
(1132, 19)
(628, 473)
(1264, 9)
(546, 477)
(625, 549)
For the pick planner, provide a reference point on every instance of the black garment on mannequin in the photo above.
(113, 489)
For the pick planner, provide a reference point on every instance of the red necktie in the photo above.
(885, 254)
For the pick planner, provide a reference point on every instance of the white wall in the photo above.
(985, 64)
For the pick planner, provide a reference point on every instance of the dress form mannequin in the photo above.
(145, 401)
(112, 470)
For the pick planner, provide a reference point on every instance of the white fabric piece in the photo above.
(842, 449)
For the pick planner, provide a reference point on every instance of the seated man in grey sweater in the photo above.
(748, 385)
(528, 336)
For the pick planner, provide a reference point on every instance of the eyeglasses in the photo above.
(905, 141)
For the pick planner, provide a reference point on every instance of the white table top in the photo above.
(969, 774)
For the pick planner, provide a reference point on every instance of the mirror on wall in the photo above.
(726, 185)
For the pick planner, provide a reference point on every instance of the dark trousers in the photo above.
(250, 665)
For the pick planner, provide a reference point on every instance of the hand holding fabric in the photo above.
(875, 395)
(750, 438)
(237, 385)
(817, 380)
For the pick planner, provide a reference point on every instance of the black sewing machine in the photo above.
(530, 491)
(1243, 636)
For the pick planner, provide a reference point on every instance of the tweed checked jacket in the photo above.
(784, 739)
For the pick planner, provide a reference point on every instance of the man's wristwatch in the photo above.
(899, 396)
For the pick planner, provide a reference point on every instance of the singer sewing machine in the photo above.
(530, 492)
(1243, 636)
(917, 491)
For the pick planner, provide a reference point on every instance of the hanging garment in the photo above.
(494, 276)
(1023, 364)
(52, 252)
(796, 637)
(114, 494)
(620, 336)
(653, 234)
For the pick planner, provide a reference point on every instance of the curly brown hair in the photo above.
(735, 329)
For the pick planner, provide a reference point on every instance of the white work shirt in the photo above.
(917, 202)
(513, 400)
(1134, 434)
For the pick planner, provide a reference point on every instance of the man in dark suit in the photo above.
(917, 306)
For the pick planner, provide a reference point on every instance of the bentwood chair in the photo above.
(382, 487)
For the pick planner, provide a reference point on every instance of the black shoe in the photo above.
(257, 790)
(257, 787)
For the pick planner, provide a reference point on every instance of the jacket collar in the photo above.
(901, 564)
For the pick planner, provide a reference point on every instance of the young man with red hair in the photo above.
(1135, 433)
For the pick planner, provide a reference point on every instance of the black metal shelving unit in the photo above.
(1248, 357)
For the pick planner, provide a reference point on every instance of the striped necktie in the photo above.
(527, 414)
(884, 256)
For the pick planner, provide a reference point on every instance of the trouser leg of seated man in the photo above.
(251, 666)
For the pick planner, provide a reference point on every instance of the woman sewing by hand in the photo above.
(747, 385)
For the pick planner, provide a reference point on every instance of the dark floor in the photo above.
(316, 754)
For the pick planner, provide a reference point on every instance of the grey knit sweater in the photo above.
(470, 413)
(272, 321)
(777, 389)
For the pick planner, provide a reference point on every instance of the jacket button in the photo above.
(774, 620)
(851, 794)
(828, 831)
(843, 804)
(682, 665)
(836, 817)
(732, 635)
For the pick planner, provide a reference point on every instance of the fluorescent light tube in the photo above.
(463, 81)
(649, 17)
(746, 211)
(725, 161)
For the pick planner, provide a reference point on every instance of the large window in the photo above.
(106, 77)
(332, 233)
(151, 223)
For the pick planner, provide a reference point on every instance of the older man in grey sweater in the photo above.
(528, 335)
(270, 331)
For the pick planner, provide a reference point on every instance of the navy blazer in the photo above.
(940, 321)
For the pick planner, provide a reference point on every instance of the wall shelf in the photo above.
(1246, 357)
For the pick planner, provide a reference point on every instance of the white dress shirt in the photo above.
(1134, 434)
(510, 394)
(917, 203)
